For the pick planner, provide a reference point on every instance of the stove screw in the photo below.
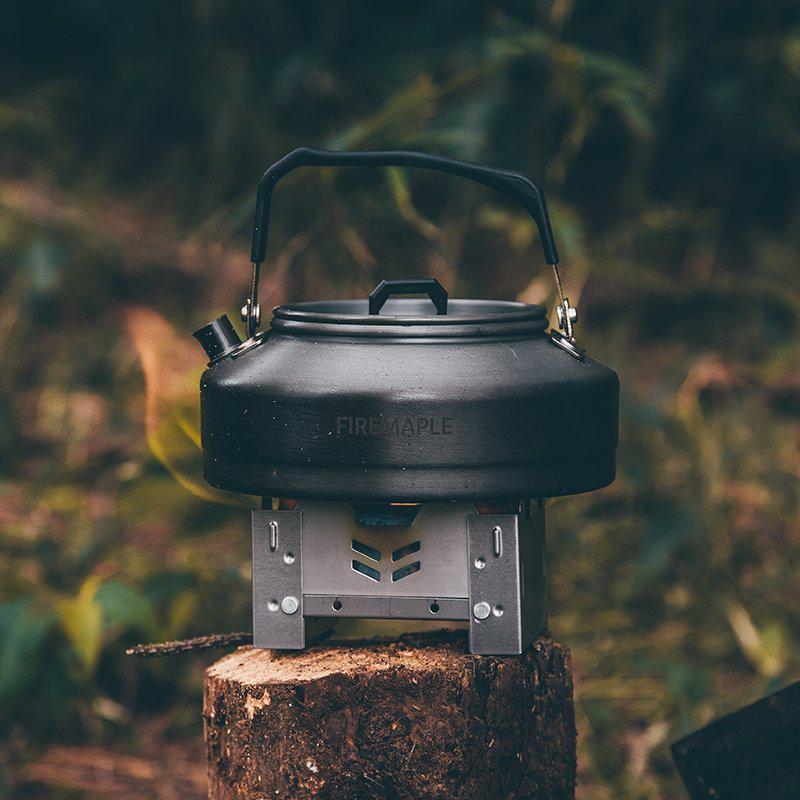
(290, 604)
(481, 610)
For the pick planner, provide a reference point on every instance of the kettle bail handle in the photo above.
(429, 286)
(515, 185)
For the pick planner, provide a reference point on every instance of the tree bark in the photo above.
(418, 718)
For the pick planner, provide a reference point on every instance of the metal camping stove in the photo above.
(412, 561)
(404, 447)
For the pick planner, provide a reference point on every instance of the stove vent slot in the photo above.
(405, 550)
(404, 572)
(366, 571)
(366, 550)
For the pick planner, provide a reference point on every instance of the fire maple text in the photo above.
(394, 426)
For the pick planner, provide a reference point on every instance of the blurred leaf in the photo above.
(687, 683)
(633, 109)
(42, 266)
(401, 193)
(595, 67)
(163, 587)
(124, 606)
(767, 651)
(82, 620)
(609, 68)
(172, 367)
(408, 108)
(569, 231)
(182, 610)
(22, 634)
(519, 227)
(791, 54)
(667, 529)
(531, 43)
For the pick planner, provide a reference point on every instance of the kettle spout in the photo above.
(218, 338)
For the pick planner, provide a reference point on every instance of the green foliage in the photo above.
(667, 138)
(82, 620)
(98, 613)
(22, 635)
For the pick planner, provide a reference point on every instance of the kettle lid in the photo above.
(384, 316)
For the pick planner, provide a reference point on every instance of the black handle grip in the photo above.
(429, 286)
(514, 185)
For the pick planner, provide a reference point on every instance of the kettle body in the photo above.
(401, 398)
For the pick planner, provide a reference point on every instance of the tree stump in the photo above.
(417, 718)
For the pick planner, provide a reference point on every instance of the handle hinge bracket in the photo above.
(567, 317)
(251, 310)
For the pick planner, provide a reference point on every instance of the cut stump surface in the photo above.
(418, 718)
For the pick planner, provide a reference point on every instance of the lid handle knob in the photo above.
(429, 286)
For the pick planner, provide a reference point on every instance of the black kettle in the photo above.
(405, 399)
